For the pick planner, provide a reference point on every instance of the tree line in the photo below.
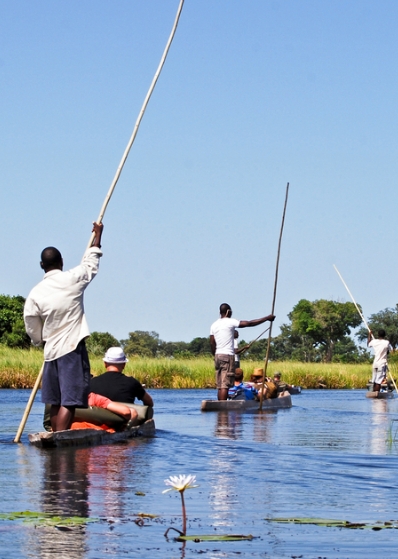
(317, 331)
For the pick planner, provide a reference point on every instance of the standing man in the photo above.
(54, 317)
(222, 333)
(115, 385)
(381, 347)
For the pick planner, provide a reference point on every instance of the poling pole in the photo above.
(274, 297)
(109, 195)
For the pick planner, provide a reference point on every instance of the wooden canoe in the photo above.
(380, 395)
(281, 402)
(90, 437)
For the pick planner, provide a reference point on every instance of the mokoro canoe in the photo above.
(90, 437)
(294, 390)
(280, 402)
(380, 395)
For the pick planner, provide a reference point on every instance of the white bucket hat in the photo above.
(115, 355)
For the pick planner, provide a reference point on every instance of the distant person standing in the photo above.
(54, 317)
(381, 347)
(222, 334)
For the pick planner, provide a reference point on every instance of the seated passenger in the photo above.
(270, 388)
(117, 386)
(241, 390)
(281, 385)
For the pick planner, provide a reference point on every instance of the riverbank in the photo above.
(19, 369)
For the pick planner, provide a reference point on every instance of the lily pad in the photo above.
(215, 538)
(337, 523)
(43, 518)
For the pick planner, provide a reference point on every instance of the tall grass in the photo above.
(19, 369)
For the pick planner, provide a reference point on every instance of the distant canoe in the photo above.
(242, 405)
(294, 390)
(380, 395)
(90, 437)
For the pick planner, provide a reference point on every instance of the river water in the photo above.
(330, 456)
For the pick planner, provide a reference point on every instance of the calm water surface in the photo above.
(329, 457)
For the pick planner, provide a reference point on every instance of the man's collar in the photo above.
(51, 273)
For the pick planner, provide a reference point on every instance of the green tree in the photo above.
(324, 322)
(12, 328)
(145, 344)
(387, 320)
(200, 346)
(99, 342)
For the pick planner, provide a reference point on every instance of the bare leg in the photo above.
(61, 417)
(376, 387)
(53, 417)
(222, 393)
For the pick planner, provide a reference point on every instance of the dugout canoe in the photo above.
(91, 437)
(281, 402)
(382, 395)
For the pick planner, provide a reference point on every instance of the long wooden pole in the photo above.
(363, 318)
(109, 195)
(139, 119)
(274, 297)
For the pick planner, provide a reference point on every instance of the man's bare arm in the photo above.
(147, 400)
(213, 344)
(256, 321)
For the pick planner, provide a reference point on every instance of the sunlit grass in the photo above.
(19, 369)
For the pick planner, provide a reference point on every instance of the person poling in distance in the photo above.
(381, 347)
(222, 333)
(54, 317)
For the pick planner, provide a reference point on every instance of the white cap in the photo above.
(115, 355)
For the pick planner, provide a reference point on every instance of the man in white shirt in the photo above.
(54, 317)
(222, 333)
(381, 348)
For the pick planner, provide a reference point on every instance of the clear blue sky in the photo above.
(253, 95)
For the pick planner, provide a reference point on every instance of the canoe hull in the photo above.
(241, 405)
(379, 395)
(90, 437)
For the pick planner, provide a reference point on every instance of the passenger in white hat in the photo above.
(115, 385)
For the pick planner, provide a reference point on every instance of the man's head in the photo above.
(115, 359)
(225, 310)
(238, 375)
(51, 259)
(381, 333)
(236, 334)
(277, 375)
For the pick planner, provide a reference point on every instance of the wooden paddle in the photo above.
(363, 319)
(108, 196)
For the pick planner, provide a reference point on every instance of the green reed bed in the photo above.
(19, 369)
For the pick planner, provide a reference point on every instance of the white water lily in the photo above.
(180, 483)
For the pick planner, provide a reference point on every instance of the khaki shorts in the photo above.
(225, 370)
(378, 374)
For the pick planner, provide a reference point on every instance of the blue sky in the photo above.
(253, 95)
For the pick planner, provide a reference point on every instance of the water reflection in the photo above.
(378, 426)
(64, 491)
(228, 425)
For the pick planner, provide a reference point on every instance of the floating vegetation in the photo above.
(46, 519)
(214, 538)
(392, 433)
(338, 523)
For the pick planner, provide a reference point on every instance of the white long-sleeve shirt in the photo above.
(54, 309)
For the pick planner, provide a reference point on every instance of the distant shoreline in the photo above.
(19, 369)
